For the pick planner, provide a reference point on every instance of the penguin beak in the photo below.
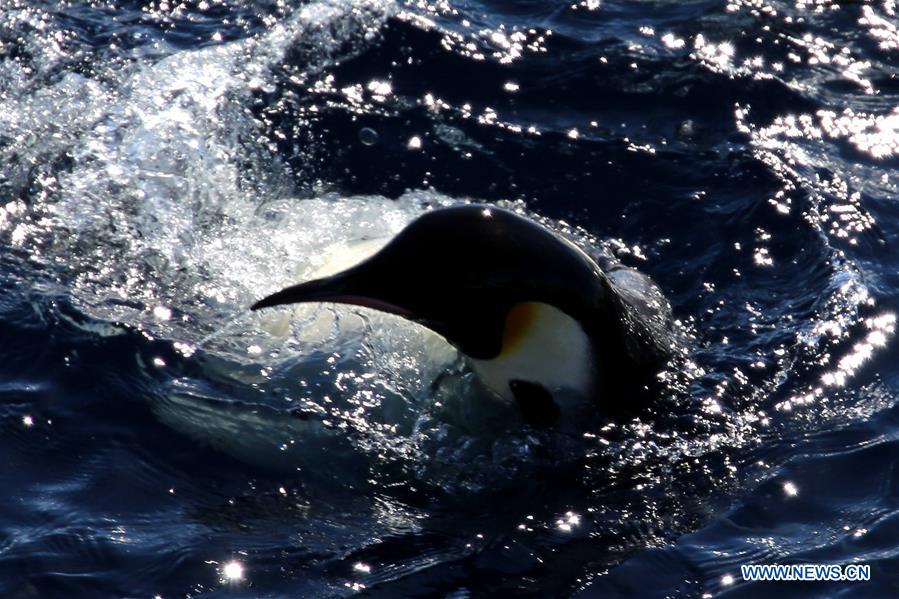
(339, 289)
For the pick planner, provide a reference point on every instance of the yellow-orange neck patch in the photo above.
(542, 345)
(518, 322)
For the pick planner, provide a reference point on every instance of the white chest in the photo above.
(543, 345)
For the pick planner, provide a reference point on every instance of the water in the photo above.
(165, 164)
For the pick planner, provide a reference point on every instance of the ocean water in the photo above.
(163, 164)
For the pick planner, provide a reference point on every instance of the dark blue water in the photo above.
(163, 164)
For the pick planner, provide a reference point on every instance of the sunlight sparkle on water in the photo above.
(791, 489)
(360, 567)
(880, 329)
(162, 313)
(233, 571)
(675, 43)
(380, 88)
(717, 56)
(568, 522)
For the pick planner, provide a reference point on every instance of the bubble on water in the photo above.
(368, 136)
(686, 130)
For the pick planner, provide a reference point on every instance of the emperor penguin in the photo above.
(535, 316)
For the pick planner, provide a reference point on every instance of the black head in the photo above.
(458, 271)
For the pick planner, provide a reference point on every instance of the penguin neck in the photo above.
(541, 346)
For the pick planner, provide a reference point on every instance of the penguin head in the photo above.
(461, 272)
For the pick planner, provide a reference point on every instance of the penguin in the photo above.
(535, 316)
